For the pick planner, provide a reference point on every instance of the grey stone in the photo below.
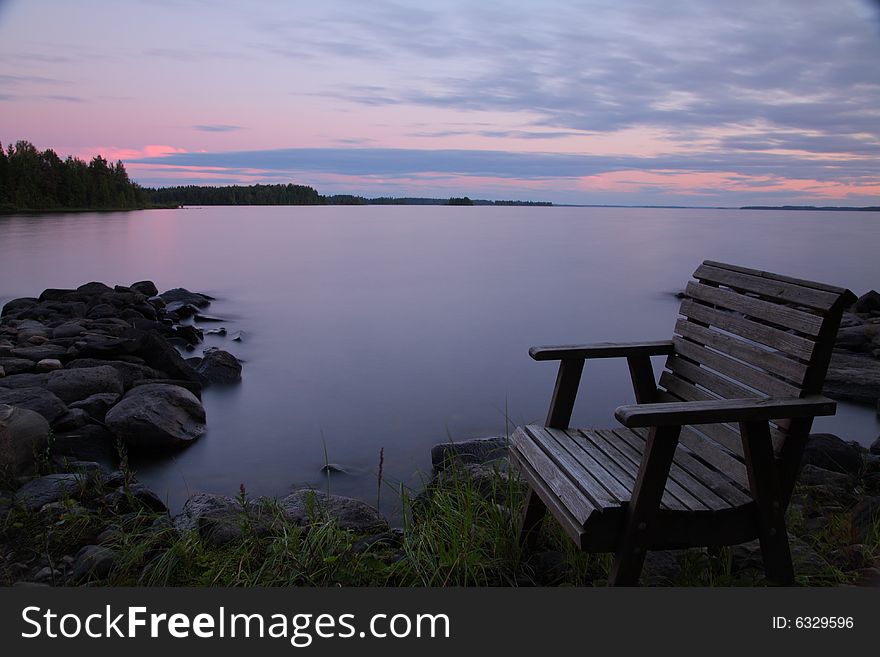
(478, 450)
(130, 372)
(23, 434)
(97, 405)
(147, 288)
(75, 384)
(827, 451)
(93, 561)
(47, 489)
(73, 419)
(868, 303)
(218, 366)
(90, 443)
(156, 416)
(68, 330)
(202, 504)
(812, 475)
(37, 380)
(346, 512)
(35, 399)
(16, 365)
(40, 352)
(135, 495)
(853, 377)
(49, 365)
(180, 294)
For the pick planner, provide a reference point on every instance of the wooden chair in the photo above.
(708, 456)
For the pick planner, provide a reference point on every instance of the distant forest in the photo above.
(32, 180)
(40, 180)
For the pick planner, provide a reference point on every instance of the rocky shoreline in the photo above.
(87, 375)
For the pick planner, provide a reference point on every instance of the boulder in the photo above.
(836, 482)
(193, 386)
(24, 380)
(134, 497)
(40, 352)
(130, 372)
(857, 338)
(68, 330)
(159, 354)
(218, 366)
(72, 420)
(89, 443)
(97, 405)
(182, 295)
(17, 305)
(49, 365)
(23, 434)
(303, 505)
(35, 399)
(478, 450)
(825, 450)
(868, 303)
(217, 519)
(44, 490)
(853, 377)
(16, 365)
(157, 416)
(147, 288)
(875, 446)
(93, 561)
(72, 385)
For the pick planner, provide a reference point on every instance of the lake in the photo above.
(399, 327)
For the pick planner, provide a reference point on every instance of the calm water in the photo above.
(400, 327)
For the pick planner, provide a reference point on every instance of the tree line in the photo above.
(31, 179)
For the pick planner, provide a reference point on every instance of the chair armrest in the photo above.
(602, 350)
(722, 410)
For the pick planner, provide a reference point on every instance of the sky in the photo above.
(598, 102)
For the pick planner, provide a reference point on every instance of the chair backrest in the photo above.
(748, 333)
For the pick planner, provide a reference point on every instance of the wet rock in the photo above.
(335, 468)
(182, 295)
(147, 288)
(868, 303)
(35, 399)
(97, 405)
(72, 385)
(479, 450)
(217, 331)
(160, 355)
(218, 366)
(89, 443)
(23, 434)
(827, 451)
(157, 416)
(47, 489)
(853, 377)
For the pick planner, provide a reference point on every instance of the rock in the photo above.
(851, 557)
(183, 295)
(159, 354)
(23, 435)
(193, 386)
(134, 497)
(208, 318)
(44, 490)
(875, 446)
(68, 330)
(147, 288)
(156, 416)
(218, 366)
(25, 380)
(93, 561)
(217, 331)
(864, 518)
(35, 399)
(49, 365)
(868, 303)
(41, 352)
(90, 443)
(73, 419)
(17, 305)
(478, 450)
(94, 288)
(347, 513)
(16, 365)
(827, 451)
(491, 479)
(72, 385)
(36, 339)
(97, 405)
(337, 468)
(181, 310)
(202, 504)
(811, 475)
(238, 336)
(853, 377)
(2, 372)
(130, 372)
(857, 338)
(191, 335)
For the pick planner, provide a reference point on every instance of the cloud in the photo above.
(216, 127)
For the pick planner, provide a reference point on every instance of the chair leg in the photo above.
(533, 514)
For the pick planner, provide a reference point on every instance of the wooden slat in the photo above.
(686, 478)
(629, 461)
(601, 350)
(774, 363)
(587, 481)
(711, 454)
(583, 467)
(735, 370)
(767, 287)
(765, 310)
(561, 486)
(786, 342)
(778, 277)
(707, 379)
